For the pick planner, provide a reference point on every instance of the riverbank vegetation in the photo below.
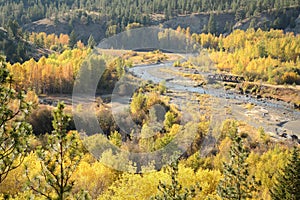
(269, 56)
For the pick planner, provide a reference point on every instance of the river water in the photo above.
(285, 118)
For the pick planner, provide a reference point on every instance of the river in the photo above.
(276, 117)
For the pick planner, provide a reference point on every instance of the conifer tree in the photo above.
(174, 191)
(287, 182)
(14, 131)
(212, 24)
(236, 183)
(72, 40)
(91, 42)
(59, 159)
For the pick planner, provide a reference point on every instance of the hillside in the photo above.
(16, 49)
(82, 29)
(223, 22)
(103, 19)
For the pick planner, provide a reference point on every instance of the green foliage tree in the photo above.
(137, 104)
(169, 120)
(240, 14)
(91, 42)
(236, 183)
(72, 40)
(13, 29)
(212, 24)
(116, 138)
(111, 30)
(14, 131)
(174, 191)
(287, 182)
(119, 65)
(59, 159)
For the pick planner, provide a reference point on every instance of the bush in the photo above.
(41, 120)
(291, 78)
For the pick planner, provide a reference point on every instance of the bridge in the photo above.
(226, 78)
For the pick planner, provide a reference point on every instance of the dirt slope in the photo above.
(83, 30)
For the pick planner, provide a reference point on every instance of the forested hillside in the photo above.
(100, 19)
(138, 10)
(114, 16)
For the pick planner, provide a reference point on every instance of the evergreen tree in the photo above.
(14, 132)
(287, 182)
(14, 30)
(59, 159)
(236, 183)
(174, 191)
(72, 40)
(228, 27)
(91, 42)
(21, 51)
(252, 23)
(212, 24)
(56, 20)
(240, 14)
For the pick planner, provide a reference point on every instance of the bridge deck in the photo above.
(227, 78)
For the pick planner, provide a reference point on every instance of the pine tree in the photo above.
(91, 42)
(56, 20)
(72, 40)
(212, 26)
(59, 159)
(174, 191)
(14, 131)
(240, 14)
(252, 23)
(14, 30)
(287, 182)
(236, 183)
